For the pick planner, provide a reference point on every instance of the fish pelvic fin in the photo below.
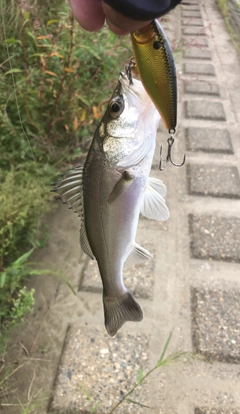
(119, 310)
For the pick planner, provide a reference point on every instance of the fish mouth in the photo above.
(126, 86)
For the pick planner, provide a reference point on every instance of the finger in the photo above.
(88, 13)
(119, 24)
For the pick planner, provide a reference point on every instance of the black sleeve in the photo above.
(142, 9)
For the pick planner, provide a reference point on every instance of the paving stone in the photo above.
(213, 180)
(215, 238)
(209, 140)
(199, 69)
(192, 22)
(201, 87)
(194, 31)
(192, 7)
(197, 53)
(214, 411)
(191, 13)
(104, 368)
(204, 109)
(195, 41)
(216, 323)
(138, 279)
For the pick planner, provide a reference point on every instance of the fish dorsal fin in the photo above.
(124, 182)
(138, 254)
(153, 204)
(70, 190)
(85, 243)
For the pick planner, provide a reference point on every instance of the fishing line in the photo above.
(18, 107)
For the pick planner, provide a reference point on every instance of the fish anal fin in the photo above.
(119, 310)
(121, 186)
(137, 255)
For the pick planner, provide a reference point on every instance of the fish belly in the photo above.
(111, 228)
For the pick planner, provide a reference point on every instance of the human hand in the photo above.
(91, 15)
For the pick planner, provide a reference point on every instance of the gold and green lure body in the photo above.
(155, 65)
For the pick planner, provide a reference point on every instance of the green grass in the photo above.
(55, 79)
(226, 12)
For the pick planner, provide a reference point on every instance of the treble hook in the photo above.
(169, 155)
(131, 65)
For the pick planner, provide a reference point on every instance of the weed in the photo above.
(230, 11)
(54, 81)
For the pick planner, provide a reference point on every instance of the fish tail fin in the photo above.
(119, 310)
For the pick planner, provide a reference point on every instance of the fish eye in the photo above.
(116, 106)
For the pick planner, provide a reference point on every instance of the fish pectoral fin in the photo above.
(138, 254)
(70, 190)
(158, 185)
(153, 204)
(121, 186)
(85, 243)
(120, 309)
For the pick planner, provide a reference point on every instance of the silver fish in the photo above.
(111, 190)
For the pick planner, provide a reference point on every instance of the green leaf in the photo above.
(22, 259)
(31, 35)
(89, 48)
(37, 272)
(94, 408)
(12, 40)
(164, 350)
(140, 376)
(137, 403)
(37, 55)
(3, 279)
(26, 15)
(14, 70)
(52, 21)
(89, 397)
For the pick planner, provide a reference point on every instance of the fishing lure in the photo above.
(153, 60)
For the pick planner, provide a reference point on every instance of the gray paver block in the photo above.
(209, 140)
(192, 22)
(191, 13)
(204, 109)
(213, 180)
(105, 368)
(215, 238)
(195, 41)
(194, 31)
(201, 87)
(199, 69)
(206, 410)
(192, 7)
(138, 279)
(195, 52)
(216, 323)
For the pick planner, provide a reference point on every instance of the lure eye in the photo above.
(116, 106)
(157, 45)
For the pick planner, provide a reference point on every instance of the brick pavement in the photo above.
(192, 286)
